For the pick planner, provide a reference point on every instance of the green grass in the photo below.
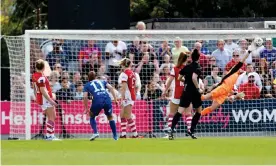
(142, 151)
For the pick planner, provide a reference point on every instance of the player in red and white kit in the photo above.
(178, 87)
(44, 97)
(127, 82)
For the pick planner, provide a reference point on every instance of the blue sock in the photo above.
(93, 124)
(113, 127)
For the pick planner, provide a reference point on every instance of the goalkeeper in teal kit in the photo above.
(101, 100)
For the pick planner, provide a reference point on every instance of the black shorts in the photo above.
(189, 97)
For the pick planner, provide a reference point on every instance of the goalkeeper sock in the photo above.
(50, 128)
(132, 126)
(206, 111)
(113, 127)
(188, 120)
(123, 126)
(195, 121)
(93, 124)
(175, 120)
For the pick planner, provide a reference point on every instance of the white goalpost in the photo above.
(71, 54)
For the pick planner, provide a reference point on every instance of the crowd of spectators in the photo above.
(153, 62)
(70, 62)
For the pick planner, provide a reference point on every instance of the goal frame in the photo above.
(113, 34)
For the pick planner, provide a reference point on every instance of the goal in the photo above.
(71, 54)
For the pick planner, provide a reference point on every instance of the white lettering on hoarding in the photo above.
(254, 115)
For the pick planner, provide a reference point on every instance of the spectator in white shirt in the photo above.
(230, 45)
(243, 51)
(243, 78)
(115, 51)
(223, 56)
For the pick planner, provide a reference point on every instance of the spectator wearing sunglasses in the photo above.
(235, 60)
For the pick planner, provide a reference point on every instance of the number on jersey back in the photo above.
(97, 88)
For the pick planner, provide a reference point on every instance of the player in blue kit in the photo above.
(101, 100)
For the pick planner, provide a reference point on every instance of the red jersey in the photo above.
(129, 77)
(178, 85)
(39, 80)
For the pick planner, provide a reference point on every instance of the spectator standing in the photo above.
(269, 53)
(134, 50)
(223, 56)
(178, 49)
(230, 45)
(242, 50)
(203, 49)
(146, 69)
(165, 49)
(141, 25)
(203, 60)
(243, 78)
(57, 56)
(146, 49)
(250, 90)
(87, 54)
(115, 51)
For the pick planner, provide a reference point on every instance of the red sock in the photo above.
(123, 126)
(188, 120)
(170, 120)
(132, 126)
(50, 128)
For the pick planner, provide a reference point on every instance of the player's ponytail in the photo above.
(125, 62)
(181, 59)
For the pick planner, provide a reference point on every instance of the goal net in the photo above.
(71, 54)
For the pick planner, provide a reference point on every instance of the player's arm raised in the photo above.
(85, 102)
(111, 90)
(45, 94)
(245, 57)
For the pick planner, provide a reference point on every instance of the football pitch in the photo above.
(210, 151)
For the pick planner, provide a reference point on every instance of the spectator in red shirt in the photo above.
(235, 60)
(85, 56)
(250, 90)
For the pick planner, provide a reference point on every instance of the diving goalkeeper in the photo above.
(224, 88)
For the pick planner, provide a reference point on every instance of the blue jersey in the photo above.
(97, 88)
(269, 55)
(101, 99)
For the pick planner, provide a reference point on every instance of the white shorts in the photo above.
(46, 105)
(175, 101)
(127, 102)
